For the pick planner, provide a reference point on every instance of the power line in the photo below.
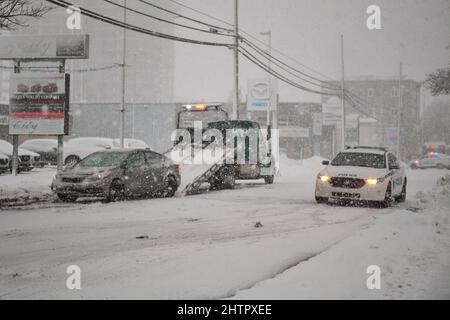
(265, 45)
(283, 66)
(251, 36)
(164, 20)
(260, 64)
(202, 13)
(185, 17)
(121, 24)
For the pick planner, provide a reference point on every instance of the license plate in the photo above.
(346, 195)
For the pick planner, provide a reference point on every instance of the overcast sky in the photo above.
(415, 32)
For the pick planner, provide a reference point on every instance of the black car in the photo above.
(118, 174)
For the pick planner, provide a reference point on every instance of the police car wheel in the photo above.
(387, 198)
(402, 196)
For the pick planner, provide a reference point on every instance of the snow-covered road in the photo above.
(203, 246)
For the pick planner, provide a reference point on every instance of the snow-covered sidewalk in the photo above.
(27, 185)
(410, 246)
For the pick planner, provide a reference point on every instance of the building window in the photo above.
(370, 92)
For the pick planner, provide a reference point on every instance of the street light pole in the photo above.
(399, 108)
(269, 34)
(122, 107)
(235, 113)
(343, 92)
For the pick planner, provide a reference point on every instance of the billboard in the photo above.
(44, 47)
(262, 94)
(332, 111)
(39, 104)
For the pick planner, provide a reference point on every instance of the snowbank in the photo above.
(411, 246)
(26, 185)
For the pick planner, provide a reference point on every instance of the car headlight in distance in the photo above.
(99, 176)
(324, 178)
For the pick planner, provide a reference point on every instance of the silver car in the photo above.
(118, 174)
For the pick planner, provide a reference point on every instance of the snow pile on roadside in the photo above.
(410, 245)
(440, 192)
(302, 168)
(27, 185)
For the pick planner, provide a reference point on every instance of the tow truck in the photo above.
(246, 148)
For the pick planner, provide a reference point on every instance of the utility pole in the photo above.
(269, 62)
(122, 107)
(235, 113)
(343, 92)
(399, 109)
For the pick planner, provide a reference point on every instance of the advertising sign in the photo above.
(332, 111)
(44, 47)
(262, 94)
(38, 104)
(317, 123)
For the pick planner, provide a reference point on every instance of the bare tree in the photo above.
(14, 13)
(439, 81)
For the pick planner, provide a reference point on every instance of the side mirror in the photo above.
(124, 165)
(269, 132)
(325, 162)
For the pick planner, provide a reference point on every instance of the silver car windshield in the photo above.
(103, 159)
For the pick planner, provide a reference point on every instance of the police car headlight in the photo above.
(372, 181)
(324, 178)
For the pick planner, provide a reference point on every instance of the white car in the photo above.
(131, 144)
(76, 149)
(362, 174)
(27, 159)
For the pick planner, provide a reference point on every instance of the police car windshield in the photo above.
(359, 159)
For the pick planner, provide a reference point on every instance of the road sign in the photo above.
(44, 47)
(38, 104)
(262, 94)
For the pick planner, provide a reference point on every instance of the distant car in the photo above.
(118, 174)
(4, 163)
(362, 174)
(46, 148)
(131, 144)
(76, 149)
(431, 160)
(27, 159)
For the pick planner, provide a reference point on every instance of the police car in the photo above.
(362, 174)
